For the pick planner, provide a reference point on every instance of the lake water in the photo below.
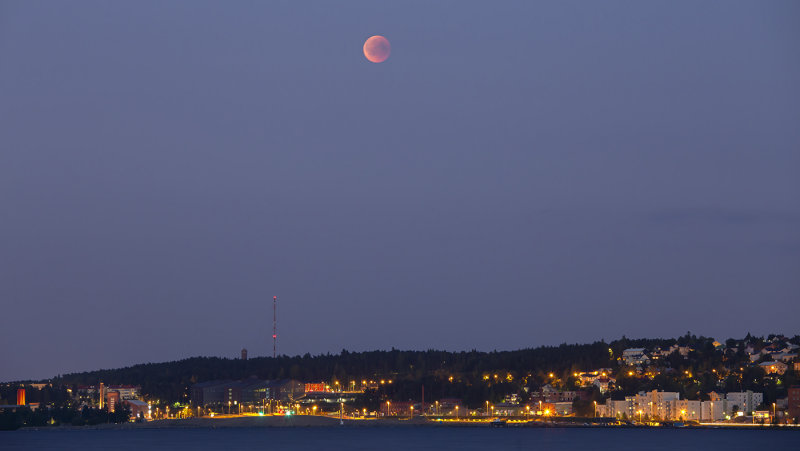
(401, 438)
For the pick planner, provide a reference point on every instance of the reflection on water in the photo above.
(399, 438)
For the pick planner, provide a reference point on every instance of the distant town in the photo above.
(682, 382)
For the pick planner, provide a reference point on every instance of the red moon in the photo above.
(377, 49)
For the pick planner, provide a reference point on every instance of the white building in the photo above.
(745, 401)
(616, 409)
(634, 356)
(713, 410)
(655, 404)
(644, 405)
(667, 406)
(684, 409)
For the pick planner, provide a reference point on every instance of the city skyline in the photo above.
(512, 176)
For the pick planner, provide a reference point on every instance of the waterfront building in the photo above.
(686, 410)
(743, 402)
(616, 409)
(248, 392)
(793, 403)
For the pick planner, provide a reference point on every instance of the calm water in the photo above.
(405, 439)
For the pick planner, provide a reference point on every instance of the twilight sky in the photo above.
(515, 174)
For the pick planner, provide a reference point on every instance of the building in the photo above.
(207, 393)
(139, 409)
(604, 384)
(286, 390)
(451, 405)
(505, 409)
(774, 367)
(328, 397)
(635, 356)
(645, 406)
(656, 404)
(562, 408)
(793, 403)
(713, 410)
(686, 410)
(743, 402)
(616, 409)
(587, 378)
(785, 357)
(244, 354)
(318, 387)
(20, 396)
(252, 391)
(549, 394)
(112, 400)
(97, 394)
(125, 391)
(397, 408)
(546, 408)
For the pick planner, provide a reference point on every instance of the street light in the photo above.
(774, 413)
(456, 412)
(595, 409)
(387, 408)
(487, 408)
(412, 411)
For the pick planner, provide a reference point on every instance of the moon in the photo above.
(377, 49)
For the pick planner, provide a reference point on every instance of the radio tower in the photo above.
(274, 324)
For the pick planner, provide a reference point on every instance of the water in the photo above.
(400, 438)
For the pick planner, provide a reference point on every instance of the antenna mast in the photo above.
(274, 325)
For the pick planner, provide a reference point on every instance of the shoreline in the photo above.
(316, 421)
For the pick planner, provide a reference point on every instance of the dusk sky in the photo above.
(516, 174)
